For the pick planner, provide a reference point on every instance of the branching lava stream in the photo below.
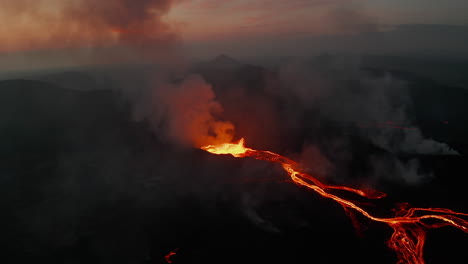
(409, 227)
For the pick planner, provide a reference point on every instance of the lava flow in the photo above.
(169, 256)
(409, 224)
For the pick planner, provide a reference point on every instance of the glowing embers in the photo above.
(409, 227)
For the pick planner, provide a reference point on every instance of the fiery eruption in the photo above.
(409, 224)
(238, 149)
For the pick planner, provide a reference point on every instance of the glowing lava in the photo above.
(238, 149)
(169, 255)
(409, 224)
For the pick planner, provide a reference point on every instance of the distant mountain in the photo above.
(220, 63)
(224, 71)
(446, 71)
(36, 112)
(224, 61)
(76, 80)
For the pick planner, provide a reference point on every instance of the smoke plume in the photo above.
(190, 111)
(125, 33)
(349, 97)
(94, 31)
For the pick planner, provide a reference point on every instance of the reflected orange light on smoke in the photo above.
(408, 224)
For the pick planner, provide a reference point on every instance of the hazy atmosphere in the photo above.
(41, 33)
(208, 131)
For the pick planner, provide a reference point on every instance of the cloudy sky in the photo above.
(215, 26)
(213, 19)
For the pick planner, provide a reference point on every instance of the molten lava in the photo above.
(409, 224)
(169, 255)
(238, 150)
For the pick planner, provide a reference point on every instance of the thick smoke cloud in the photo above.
(93, 31)
(136, 25)
(189, 113)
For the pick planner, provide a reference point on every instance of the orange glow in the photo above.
(408, 224)
(168, 256)
(237, 150)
